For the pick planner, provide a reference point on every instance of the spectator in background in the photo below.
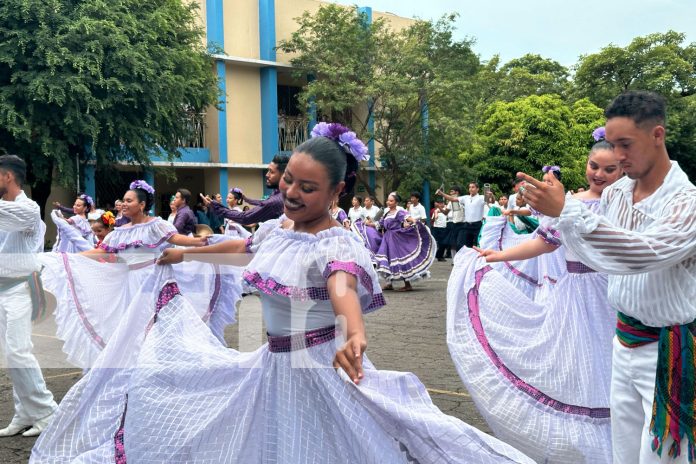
(172, 207)
(416, 210)
(201, 213)
(185, 220)
(438, 220)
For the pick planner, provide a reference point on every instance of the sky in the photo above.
(558, 29)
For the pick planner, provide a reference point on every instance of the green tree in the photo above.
(366, 71)
(528, 133)
(532, 75)
(659, 62)
(97, 81)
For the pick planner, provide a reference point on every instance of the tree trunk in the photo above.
(39, 181)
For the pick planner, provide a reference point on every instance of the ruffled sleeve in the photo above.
(254, 241)
(147, 236)
(346, 253)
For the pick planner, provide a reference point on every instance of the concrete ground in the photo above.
(406, 335)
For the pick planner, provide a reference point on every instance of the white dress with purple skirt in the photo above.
(94, 295)
(191, 400)
(534, 277)
(72, 238)
(405, 253)
(538, 371)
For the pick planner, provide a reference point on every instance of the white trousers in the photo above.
(32, 400)
(632, 393)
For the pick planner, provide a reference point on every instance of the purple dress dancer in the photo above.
(406, 253)
(369, 235)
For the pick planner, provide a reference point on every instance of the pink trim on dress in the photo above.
(517, 382)
(80, 312)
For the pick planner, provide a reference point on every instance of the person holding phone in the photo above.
(473, 213)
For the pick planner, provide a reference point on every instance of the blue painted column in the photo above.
(87, 182)
(366, 13)
(425, 127)
(269, 81)
(215, 28)
(149, 177)
(312, 110)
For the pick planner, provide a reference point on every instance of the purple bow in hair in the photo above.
(551, 168)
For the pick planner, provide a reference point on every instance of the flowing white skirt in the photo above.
(191, 400)
(93, 297)
(539, 373)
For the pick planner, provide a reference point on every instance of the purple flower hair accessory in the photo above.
(236, 190)
(551, 168)
(141, 184)
(599, 134)
(345, 138)
(87, 199)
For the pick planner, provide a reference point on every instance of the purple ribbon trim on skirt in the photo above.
(515, 381)
(576, 267)
(300, 341)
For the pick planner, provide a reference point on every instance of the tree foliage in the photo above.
(370, 71)
(660, 63)
(99, 81)
(529, 133)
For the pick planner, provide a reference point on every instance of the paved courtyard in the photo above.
(406, 335)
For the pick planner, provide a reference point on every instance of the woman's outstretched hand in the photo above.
(491, 256)
(349, 357)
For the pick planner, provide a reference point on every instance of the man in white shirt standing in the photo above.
(454, 207)
(438, 228)
(372, 213)
(416, 210)
(645, 239)
(21, 238)
(473, 214)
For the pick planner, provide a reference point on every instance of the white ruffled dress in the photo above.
(191, 400)
(95, 295)
(538, 371)
(72, 238)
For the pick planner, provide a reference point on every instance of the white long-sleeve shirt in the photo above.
(648, 248)
(21, 236)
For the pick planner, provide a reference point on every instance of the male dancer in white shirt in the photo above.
(21, 238)
(645, 239)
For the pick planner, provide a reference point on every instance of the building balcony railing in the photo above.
(292, 131)
(196, 138)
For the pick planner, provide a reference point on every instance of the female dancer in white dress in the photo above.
(191, 400)
(74, 233)
(95, 290)
(539, 371)
(234, 229)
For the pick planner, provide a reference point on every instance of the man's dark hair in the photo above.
(16, 166)
(185, 194)
(456, 188)
(473, 183)
(416, 194)
(281, 161)
(640, 106)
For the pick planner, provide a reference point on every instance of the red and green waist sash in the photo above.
(674, 405)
